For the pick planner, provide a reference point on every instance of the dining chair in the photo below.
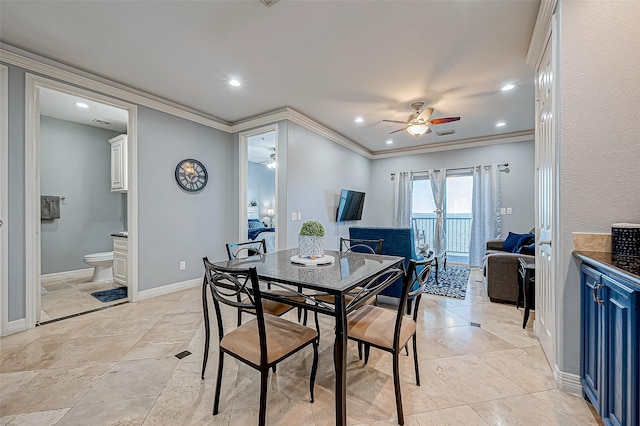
(260, 343)
(370, 325)
(249, 248)
(361, 246)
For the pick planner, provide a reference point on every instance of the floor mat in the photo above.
(111, 294)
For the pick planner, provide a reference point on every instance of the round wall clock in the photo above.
(191, 175)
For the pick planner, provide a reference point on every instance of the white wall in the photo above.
(317, 169)
(599, 141)
(517, 185)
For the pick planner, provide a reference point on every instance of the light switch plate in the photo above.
(183, 265)
(508, 210)
(503, 211)
(299, 215)
(293, 216)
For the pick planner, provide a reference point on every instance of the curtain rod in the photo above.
(463, 168)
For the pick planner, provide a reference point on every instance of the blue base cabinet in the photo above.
(609, 368)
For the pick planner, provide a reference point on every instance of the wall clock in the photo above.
(191, 175)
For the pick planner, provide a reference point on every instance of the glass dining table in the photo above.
(347, 273)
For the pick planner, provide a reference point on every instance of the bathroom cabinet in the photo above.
(610, 317)
(120, 256)
(119, 163)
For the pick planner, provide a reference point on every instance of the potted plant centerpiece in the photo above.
(311, 240)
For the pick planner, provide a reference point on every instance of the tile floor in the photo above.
(71, 294)
(117, 366)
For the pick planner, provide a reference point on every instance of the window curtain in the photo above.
(437, 180)
(486, 222)
(402, 198)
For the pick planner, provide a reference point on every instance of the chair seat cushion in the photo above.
(272, 307)
(283, 337)
(376, 325)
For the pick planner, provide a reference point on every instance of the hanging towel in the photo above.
(49, 207)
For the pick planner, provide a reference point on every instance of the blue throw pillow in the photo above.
(530, 249)
(511, 242)
(255, 223)
(525, 240)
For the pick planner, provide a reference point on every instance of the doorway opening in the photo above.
(258, 186)
(81, 228)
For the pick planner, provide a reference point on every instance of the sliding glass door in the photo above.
(458, 201)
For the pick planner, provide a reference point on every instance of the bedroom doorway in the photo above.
(258, 186)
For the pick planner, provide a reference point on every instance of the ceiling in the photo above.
(329, 60)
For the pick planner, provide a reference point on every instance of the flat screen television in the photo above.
(350, 207)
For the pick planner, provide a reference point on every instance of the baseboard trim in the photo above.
(68, 274)
(16, 326)
(169, 288)
(567, 382)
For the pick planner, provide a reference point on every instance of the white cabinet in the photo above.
(120, 256)
(119, 163)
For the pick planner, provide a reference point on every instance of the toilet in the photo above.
(102, 264)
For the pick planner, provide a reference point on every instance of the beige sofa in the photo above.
(501, 277)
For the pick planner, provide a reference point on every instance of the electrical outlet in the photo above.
(299, 215)
(508, 210)
(503, 211)
(183, 265)
(293, 216)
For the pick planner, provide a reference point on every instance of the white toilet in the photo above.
(102, 264)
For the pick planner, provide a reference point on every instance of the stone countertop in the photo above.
(627, 266)
(122, 234)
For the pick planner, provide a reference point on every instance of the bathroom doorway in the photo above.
(75, 215)
(258, 186)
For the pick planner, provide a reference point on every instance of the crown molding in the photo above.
(65, 73)
(541, 31)
(527, 135)
(76, 77)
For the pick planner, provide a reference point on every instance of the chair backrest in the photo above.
(238, 288)
(359, 245)
(407, 283)
(249, 248)
(373, 286)
(421, 269)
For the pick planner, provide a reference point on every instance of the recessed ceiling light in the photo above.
(508, 87)
(234, 83)
(389, 142)
(359, 120)
(501, 124)
(81, 105)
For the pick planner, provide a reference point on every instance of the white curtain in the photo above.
(402, 198)
(437, 180)
(486, 222)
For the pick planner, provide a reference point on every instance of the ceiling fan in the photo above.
(419, 123)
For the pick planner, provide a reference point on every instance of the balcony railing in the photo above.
(457, 230)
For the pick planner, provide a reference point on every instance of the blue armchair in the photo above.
(397, 242)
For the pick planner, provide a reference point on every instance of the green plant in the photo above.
(312, 228)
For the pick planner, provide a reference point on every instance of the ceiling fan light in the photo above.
(417, 129)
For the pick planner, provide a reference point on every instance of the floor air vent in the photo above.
(446, 133)
(268, 2)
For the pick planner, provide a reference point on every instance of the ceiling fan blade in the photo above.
(395, 121)
(399, 130)
(444, 120)
(424, 115)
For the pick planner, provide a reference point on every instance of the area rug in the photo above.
(452, 282)
(111, 294)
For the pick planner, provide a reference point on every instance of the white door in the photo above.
(546, 192)
(4, 200)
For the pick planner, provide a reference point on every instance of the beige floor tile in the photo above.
(34, 356)
(455, 416)
(193, 408)
(122, 413)
(472, 379)
(54, 388)
(99, 349)
(522, 410)
(40, 418)
(473, 339)
(439, 317)
(488, 312)
(513, 333)
(10, 382)
(131, 379)
(155, 348)
(21, 338)
(527, 371)
(572, 406)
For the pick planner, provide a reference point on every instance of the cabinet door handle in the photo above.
(545, 242)
(596, 298)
